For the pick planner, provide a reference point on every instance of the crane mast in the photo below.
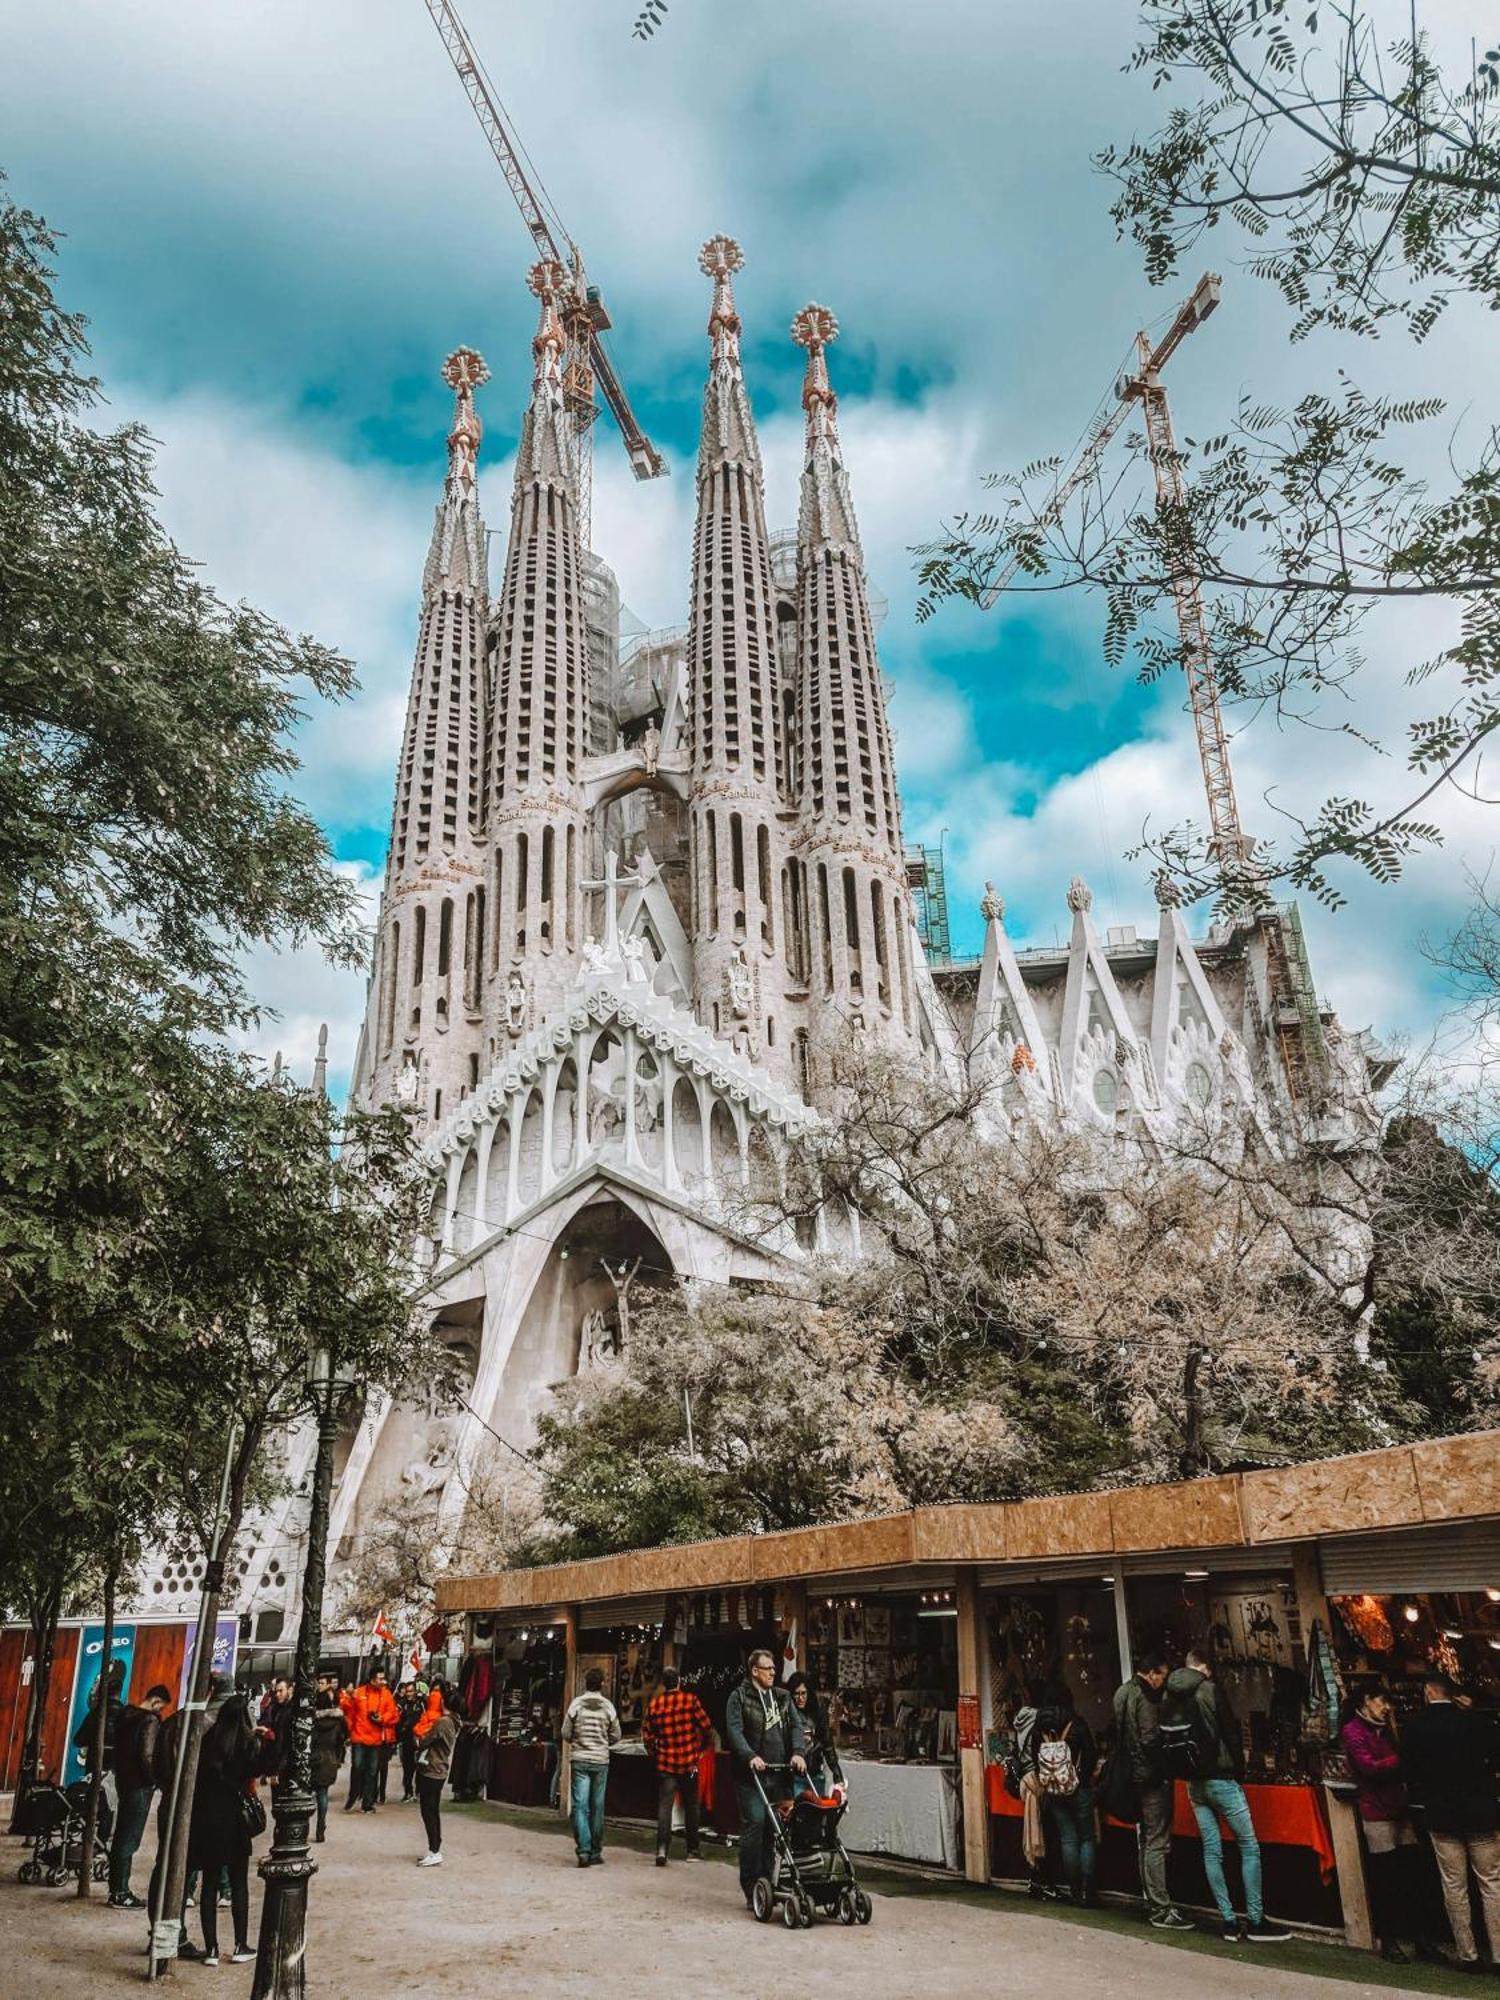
(1297, 1021)
(587, 369)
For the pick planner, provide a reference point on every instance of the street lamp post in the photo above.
(280, 1958)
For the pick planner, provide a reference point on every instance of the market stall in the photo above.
(885, 1663)
(529, 1671)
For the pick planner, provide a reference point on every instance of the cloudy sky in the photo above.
(280, 217)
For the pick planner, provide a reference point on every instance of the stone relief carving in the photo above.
(517, 1004)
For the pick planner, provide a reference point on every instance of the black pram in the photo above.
(52, 1820)
(810, 1866)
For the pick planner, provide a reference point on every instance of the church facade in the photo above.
(627, 891)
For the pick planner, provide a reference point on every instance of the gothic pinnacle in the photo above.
(816, 328)
(464, 371)
(547, 279)
(719, 259)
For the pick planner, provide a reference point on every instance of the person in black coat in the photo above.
(1449, 1759)
(822, 1759)
(330, 1737)
(233, 1753)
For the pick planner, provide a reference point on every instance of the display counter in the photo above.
(1291, 1823)
(909, 1811)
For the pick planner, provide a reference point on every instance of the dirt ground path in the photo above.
(509, 1912)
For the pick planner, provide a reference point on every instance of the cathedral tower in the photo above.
(422, 1038)
(849, 821)
(739, 974)
(539, 711)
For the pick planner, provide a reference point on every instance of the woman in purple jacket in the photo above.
(1368, 1740)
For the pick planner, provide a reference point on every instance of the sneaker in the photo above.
(661, 1860)
(1170, 1920)
(596, 1861)
(208, 1958)
(431, 1861)
(1265, 1932)
(1394, 1955)
(126, 1902)
(1231, 1933)
(583, 1861)
(243, 1955)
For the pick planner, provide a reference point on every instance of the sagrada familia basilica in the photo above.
(629, 890)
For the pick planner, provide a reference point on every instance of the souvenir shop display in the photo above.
(1051, 1638)
(1397, 1638)
(529, 1669)
(631, 1656)
(1252, 1627)
(887, 1671)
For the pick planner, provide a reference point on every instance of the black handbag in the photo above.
(252, 1813)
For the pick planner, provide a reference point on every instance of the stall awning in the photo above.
(1465, 1556)
(622, 1611)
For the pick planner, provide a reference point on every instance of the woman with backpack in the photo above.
(1063, 1758)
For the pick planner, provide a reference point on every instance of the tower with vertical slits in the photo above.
(539, 712)
(423, 1039)
(848, 838)
(740, 974)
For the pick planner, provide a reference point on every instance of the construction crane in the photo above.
(1298, 1022)
(588, 371)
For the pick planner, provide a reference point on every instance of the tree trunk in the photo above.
(1193, 1460)
(97, 1735)
(174, 1883)
(45, 1611)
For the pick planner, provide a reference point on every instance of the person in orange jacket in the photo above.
(372, 1715)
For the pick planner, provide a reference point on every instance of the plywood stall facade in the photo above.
(926, 1630)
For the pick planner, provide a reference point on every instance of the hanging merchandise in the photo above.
(1366, 1618)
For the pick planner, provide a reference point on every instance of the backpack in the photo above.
(1056, 1773)
(1188, 1739)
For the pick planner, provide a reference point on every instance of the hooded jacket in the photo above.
(330, 1735)
(371, 1714)
(1186, 1683)
(591, 1726)
(1138, 1724)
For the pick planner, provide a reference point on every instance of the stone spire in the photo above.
(739, 969)
(539, 711)
(422, 1028)
(456, 556)
(826, 515)
(849, 831)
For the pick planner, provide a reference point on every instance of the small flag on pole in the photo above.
(416, 1659)
(383, 1634)
(789, 1652)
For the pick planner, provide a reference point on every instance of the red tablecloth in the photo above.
(1284, 1815)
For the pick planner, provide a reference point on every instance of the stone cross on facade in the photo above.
(613, 882)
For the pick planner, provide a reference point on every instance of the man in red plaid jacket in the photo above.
(676, 1731)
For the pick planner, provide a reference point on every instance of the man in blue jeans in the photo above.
(591, 1726)
(1198, 1726)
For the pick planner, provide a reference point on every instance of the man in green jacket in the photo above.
(1138, 1731)
(762, 1727)
(1201, 1741)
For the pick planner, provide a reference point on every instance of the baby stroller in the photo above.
(53, 1822)
(810, 1866)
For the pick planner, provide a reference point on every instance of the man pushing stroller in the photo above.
(764, 1730)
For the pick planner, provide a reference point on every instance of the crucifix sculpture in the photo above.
(613, 881)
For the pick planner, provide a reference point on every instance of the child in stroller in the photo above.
(52, 1821)
(810, 1866)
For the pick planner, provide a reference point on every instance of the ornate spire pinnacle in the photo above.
(456, 556)
(719, 259)
(728, 427)
(816, 329)
(546, 448)
(826, 518)
(464, 371)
